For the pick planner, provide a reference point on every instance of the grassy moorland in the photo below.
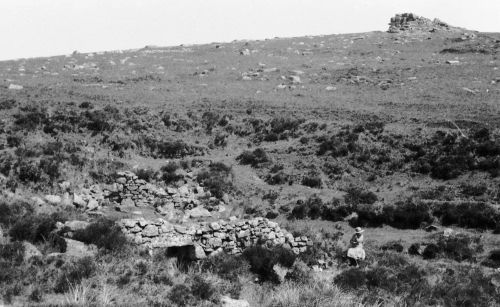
(390, 132)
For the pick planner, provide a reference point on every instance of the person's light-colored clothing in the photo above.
(357, 253)
(357, 240)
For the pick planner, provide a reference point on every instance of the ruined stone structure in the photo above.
(200, 240)
(409, 22)
(129, 190)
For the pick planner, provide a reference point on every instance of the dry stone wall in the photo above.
(231, 236)
(411, 22)
(129, 190)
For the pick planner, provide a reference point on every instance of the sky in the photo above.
(35, 28)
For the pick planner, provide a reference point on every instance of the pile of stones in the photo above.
(132, 191)
(409, 22)
(212, 238)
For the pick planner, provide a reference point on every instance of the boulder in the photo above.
(184, 190)
(150, 231)
(79, 249)
(15, 87)
(53, 199)
(280, 272)
(78, 201)
(92, 204)
(199, 212)
(127, 202)
(64, 185)
(38, 201)
(30, 251)
(76, 225)
(199, 253)
(226, 301)
(447, 232)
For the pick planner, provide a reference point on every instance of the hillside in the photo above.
(397, 132)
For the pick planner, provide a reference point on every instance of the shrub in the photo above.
(356, 196)
(34, 228)
(7, 104)
(36, 295)
(393, 246)
(217, 179)
(474, 189)
(262, 261)
(29, 172)
(30, 118)
(14, 140)
(169, 173)
(312, 181)
(104, 233)
(181, 295)
(201, 289)
(72, 273)
(407, 214)
(12, 253)
(14, 212)
(468, 214)
(431, 251)
(459, 247)
(278, 178)
(300, 273)
(146, 174)
(351, 279)
(466, 287)
(493, 259)
(253, 158)
(50, 166)
(226, 266)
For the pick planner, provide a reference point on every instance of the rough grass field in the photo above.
(393, 132)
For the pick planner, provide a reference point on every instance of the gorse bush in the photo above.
(356, 196)
(253, 158)
(104, 233)
(217, 179)
(262, 261)
(468, 214)
(34, 228)
(404, 215)
(73, 272)
(13, 212)
(315, 208)
(169, 174)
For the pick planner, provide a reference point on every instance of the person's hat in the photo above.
(358, 230)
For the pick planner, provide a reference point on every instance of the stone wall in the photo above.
(129, 190)
(231, 236)
(411, 22)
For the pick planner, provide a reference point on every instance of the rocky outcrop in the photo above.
(409, 22)
(212, 238)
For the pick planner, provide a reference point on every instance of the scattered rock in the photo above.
(79, 249)
(448, 232)
(245, 52)
(198, 212)
(53, 199)
(78, 201)
(92, 205)
(15, 87)
(226, 301)
(30, 251)
(76, 225)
